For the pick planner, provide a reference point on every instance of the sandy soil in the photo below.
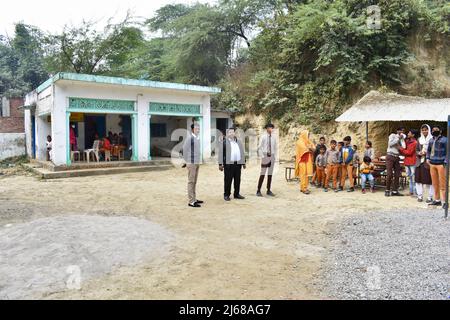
(251, 249)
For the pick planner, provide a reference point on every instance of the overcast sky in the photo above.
(52, 15)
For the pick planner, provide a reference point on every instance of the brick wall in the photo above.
(15, 122)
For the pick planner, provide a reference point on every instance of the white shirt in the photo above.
(235, 152)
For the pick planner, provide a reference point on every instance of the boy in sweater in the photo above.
(321, 164)
(332, 156)
(366, 170)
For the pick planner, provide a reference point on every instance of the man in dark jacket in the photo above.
(231, 161)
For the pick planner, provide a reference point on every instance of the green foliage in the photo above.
(298, 61)
(311, 62)
(21, 61)
(84, 49)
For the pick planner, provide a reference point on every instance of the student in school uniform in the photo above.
(333, 163)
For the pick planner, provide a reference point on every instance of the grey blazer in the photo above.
(192, 150)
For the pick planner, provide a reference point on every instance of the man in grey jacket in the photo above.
(193, 157)
(393, 168)
(268, 149)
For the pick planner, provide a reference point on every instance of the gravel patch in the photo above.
(390, 255)
(59, 253)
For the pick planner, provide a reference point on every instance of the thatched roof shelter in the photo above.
(377, 106)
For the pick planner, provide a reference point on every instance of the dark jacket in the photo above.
(225, 152)
(440, 150)
(350, 156)
(192, 150)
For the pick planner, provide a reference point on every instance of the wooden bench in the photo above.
(288, 174)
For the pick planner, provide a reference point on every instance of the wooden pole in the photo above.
(367, 131)
(447, 169)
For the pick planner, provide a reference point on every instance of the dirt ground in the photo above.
(258, 248)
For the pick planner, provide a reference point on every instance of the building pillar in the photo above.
(206, 127)
(41, 137)
(142, 129)
(60, 129)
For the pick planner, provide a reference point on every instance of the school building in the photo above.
(148, 113)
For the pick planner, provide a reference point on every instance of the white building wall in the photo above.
(206, 103)
(43, 129)
(28, 132)
(12, 145)
(44, 103)
(143, 128)
(59, 123)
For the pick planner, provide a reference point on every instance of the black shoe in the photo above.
(397, 194)
(387, 193)
(325, 189)
(227, 198)
(239, 197)
(340, 189)
(351, 190)
(270, 194)
(194, 205)
(429, 201)
(199, 202)
(436, 203)
(259, 194)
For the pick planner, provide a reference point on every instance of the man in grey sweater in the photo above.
(193, 158)
(393, 168)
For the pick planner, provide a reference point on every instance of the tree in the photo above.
(21, 61)
(85, 50)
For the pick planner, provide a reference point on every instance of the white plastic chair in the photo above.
(73, 154)
(94, 151)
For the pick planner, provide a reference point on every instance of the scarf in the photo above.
(302, 147)
(425, 141)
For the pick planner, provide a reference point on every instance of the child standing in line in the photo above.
(339, 170)
(347, 165)
(332, 156)
(367, 169)
(321, 164)
(356, 163)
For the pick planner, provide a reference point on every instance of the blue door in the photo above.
(33, 137)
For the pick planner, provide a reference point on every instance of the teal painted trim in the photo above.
(48, 83)
(68, 160)
(135, 137)
(174, 108)
(127, 82)
(149, 137)
(101, 112)
(102, 105)
(176, 114)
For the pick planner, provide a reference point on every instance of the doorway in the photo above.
(222, 125)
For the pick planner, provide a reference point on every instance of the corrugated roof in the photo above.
(377, 106)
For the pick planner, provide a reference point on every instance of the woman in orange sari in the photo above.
(304, 160)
